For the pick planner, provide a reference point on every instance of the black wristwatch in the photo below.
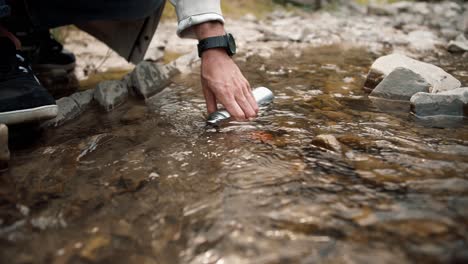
(226, 42)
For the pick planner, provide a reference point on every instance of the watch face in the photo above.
(231, 44)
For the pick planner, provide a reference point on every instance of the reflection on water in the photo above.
(160, 188)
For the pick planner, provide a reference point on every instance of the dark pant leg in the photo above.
(53, 13)
(4, 9)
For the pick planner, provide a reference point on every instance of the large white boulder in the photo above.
(439, 79)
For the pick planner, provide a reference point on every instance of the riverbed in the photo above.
(150, 183)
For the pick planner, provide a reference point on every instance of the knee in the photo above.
(143, 8)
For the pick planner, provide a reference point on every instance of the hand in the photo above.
(223, 82)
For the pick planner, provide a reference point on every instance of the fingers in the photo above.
(210, 99)
(250, 98)
(234, 109)
(244, 104)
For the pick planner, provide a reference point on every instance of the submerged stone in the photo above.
(327, 142)
(439, 79)
(449, 103)
(401, 84)
(110, 94)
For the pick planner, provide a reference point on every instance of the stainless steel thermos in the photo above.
(262, 95)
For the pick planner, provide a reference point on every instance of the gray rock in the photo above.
(460, 44)
(401, 84)
(83, 99)
(327, 142)
(111, 94)
(448, 103)
(68, 109)
(435, 76)
(149, 78)
(4, 151)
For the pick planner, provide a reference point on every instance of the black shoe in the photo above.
(46, 54)
(22, 97)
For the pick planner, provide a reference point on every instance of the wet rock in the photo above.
(327, 142)
(4, 151)
(148, 78)
(185, 64)
(110, 94)
(83, 99)
(401, 84)
(68, 110)
(459, 45)
(134, 114)
(435, 76)
(449, 103)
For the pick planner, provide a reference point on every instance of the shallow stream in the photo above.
(154, 185)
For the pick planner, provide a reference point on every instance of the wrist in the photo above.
(209, 29)
(214, 53)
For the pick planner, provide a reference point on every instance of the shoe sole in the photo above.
(29, 115)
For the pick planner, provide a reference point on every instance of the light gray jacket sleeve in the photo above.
(194, 12)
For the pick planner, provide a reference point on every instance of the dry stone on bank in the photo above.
(4, 152)
(439, 79)
(185, 64)
(110, 94)
(148, 78)
(448, 103)
(459, 45)
(401, 84)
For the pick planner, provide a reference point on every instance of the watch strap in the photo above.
(211, 43)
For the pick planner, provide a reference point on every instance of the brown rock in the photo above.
(327, 142)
